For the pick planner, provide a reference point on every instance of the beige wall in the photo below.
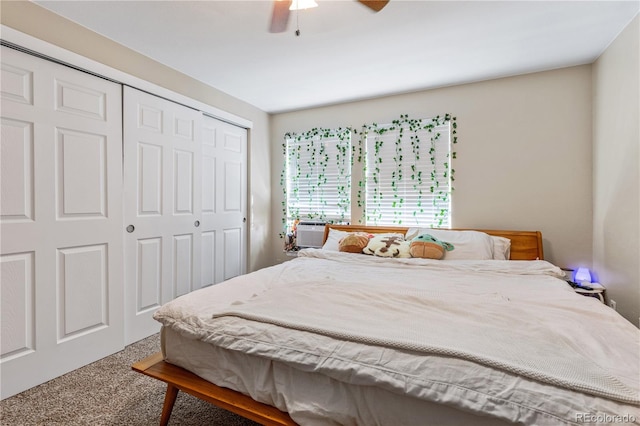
(524, 153)
(38, 22)
(524, 157)
(616, 181)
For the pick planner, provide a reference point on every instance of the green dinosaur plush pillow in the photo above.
(428, 247)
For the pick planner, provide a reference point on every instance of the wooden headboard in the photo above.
(525, 245)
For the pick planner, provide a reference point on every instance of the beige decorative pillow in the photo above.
(501, 248)
(354, 243)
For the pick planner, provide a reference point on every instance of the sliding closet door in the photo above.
(61, 220)
(162, 200)
(224, 195)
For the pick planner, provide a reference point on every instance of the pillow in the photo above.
(333, 239)
(335, 235)
(354, 242)
(501, 248)
(388, 245)
(425, 246)
(468, 245)
(405, 249)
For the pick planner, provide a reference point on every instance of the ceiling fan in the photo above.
(281, 11)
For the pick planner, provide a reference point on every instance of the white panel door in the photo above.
(61, 220)
(162, 203)
(224, 201)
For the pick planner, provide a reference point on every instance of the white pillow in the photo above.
(467, 245)
(333, 239)
(501, 248)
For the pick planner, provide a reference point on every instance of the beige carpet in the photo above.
(108, 392)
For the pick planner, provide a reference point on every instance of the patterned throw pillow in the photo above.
(387, 246)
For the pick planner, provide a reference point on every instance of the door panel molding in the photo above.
(162, 175)
(62, 222)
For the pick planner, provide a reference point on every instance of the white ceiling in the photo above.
(346, 52)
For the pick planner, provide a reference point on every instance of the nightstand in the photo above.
(592, 290)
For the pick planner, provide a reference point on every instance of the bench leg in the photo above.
(169, 400)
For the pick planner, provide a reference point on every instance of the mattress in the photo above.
(326, 378)
(310, 398)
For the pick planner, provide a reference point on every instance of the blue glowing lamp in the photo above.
(582, 275)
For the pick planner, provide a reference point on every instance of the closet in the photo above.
(113, 201)
(185, 191)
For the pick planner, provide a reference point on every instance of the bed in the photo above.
(491, 335)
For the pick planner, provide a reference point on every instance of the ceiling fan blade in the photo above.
(279, 16)
(375, 5)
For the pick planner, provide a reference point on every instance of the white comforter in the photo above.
(419, 327)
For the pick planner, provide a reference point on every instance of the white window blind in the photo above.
(318, 176)
(408, 173)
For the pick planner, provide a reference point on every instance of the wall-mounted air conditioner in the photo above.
(310, 234)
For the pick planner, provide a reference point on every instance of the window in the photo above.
(317, 176)
(408, 173)
(402, 176)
